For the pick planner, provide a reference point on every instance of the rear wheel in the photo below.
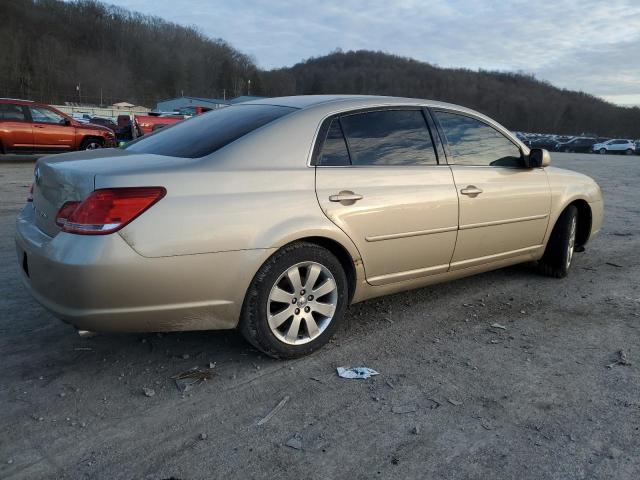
(629, 151)
(91, 144)
(558, 255)
(295, 302)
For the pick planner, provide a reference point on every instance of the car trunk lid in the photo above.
(55, 183)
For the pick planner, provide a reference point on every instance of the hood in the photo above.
(93, 126)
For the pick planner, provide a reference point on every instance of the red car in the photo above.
(30, 127)
(150, 123)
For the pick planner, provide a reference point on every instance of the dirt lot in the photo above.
(455, 398)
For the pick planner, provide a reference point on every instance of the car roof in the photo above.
(347, 101)
(17, 100)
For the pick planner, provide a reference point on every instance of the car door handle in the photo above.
(471, 191)
(39, 126)
(346, 197)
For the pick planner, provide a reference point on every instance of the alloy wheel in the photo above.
(302, 303)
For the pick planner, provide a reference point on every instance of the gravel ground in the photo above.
(455, 398)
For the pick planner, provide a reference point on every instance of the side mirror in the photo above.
(538, 158)
(66, 122)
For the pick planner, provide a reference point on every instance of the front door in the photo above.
(384, 188)
(51, 130)
(504, 207)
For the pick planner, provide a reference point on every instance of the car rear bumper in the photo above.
(99, 283)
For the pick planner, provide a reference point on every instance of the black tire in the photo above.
(91, 143)
(558, 255)
(566, 150)
(603, 151)
(254, 324)
(629, 151)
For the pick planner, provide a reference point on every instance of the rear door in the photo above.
(618, 145)
(378, 179)
(51, 130)
(504, 207)
(15, 129)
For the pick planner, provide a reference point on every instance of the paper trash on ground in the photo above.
(356, 372)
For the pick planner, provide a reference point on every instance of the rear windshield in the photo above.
(204, 134)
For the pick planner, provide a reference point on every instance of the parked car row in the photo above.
(31, 127)
(580, 143)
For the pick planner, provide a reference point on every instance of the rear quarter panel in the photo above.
(256, 193)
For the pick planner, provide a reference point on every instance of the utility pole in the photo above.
(224, 93)
(249, 87)
(79, 93)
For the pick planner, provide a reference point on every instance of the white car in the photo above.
(615, 146)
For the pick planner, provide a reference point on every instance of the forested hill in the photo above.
(49, 47)
(518, 101)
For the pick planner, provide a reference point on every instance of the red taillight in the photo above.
(65, 212)
(106, 211)
(30, 196)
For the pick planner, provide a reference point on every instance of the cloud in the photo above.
(588, 45)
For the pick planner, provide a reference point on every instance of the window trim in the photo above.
(447, 147)
(325, 124)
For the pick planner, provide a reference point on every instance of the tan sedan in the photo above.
(273, 216)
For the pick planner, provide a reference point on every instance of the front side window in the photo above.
(199, 136)
(389, 137)
(44, 115)
(475, 143)
(12, 113)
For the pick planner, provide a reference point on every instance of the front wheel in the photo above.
(603, 151)
(561, 246)
(295, 302)
(91, 144)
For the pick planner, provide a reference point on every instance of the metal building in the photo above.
(174, 104)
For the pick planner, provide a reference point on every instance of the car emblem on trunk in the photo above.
(36, 174)
(40, 212)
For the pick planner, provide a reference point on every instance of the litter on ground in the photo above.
(356, 372)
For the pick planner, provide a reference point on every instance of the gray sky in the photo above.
(588, 45)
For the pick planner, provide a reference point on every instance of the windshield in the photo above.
(202, 135)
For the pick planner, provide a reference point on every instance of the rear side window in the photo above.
(12, 113)
(204, 134)
(389, 137)
(475, 143)
(334, 149)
